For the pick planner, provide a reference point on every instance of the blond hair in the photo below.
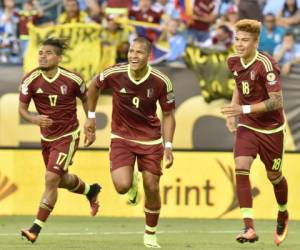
(250, 26)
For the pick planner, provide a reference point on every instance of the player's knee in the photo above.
(243, 163)
(242, 167)
(122, 188)
(52, 180)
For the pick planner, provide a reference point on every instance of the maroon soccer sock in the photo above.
(44, 212)
(281, 191)
(243, 189)
(42, 215)
(151, 220)
(282, 216)
(79, 186)
(281, 194)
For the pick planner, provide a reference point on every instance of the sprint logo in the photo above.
(7, 187)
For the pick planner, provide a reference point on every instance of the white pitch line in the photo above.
(140, 232)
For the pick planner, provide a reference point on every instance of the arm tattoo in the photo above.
(274, 102)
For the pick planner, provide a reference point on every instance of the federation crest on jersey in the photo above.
(64, 89)
(252, 75)
(150, 92)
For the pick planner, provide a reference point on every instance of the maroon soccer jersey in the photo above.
(150, 16)
(202, 8)
(55, 97)
(254, 81)
(134, 103)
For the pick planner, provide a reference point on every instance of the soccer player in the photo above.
(136, 130)
(53, 90)
(256, 117)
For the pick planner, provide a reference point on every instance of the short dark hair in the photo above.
(225, 29)
(29, 2)
(60, 44)
(289, 33)
(145, 41)
(269, 14)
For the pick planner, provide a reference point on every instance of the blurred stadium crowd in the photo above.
(171, 25)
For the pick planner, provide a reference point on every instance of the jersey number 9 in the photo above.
(136, 101)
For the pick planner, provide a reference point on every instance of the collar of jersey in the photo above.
(143, 79)
(50, 80)
(250, 63)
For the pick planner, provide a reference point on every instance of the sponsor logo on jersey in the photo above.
(252, 75)
(123, 90)
(39, 91)
(64, 89)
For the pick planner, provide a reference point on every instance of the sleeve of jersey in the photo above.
(102, 82)
(167, 98)
(25, 93)
(229, 64)
(81, 89)
(272, 80)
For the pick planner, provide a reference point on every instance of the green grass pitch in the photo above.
(126, 234)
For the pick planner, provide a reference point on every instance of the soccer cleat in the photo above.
(248, 235)
(133, 191)
(281, 231)
(30, 236)
(92, 196)
(150, 241)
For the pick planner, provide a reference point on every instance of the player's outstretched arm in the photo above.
(41, 120)
(168, 124)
